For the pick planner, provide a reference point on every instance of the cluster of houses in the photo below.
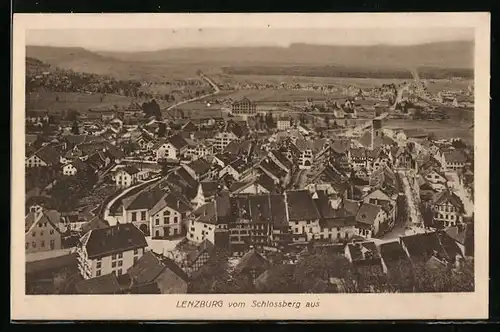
(232, 187)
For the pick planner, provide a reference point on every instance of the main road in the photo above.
(209, 81)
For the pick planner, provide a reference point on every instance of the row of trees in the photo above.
(315, 270)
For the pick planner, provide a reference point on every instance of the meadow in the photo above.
(339, 82)
(81, 102)
(441, 129)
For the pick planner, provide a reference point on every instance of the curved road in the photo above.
(210, 82)
(105, 213)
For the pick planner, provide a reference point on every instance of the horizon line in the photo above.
(255, 46)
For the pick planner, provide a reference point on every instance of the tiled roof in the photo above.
(48, 154)
(252, 260)
(367, 213)
(145, 199)
(351, 207)
(447, 196)
(454, 156)
(363, 251)
(209, 188)
(177, 141)
(301, 206)
(106, 284)
(199, 166)
(269, 165)
(146, 269)
(423, 246)
(282, 159)
(392, 252)
(114, 239)
(58, 262)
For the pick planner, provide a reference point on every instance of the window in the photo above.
(33, 244)
(157, 221)
(166, 212)
(157, 233)
(136, 251)
(135, 259)
(27, 245)
(120, 255)
(120, 263)
(176, 219)
(113, 264)
(34, 234)
(113, 257)
(51, 232)
(42, 244)
(166, 221)
(98, 273)
(52, 244)
(98, 266)
(134, 216)
(119, 272)
(143, 215)
(41, 233)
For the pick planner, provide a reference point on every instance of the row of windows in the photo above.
(143, 216)
(446, 208)
(51, 232)
(166, 220)
(445, 216)
(42, 244)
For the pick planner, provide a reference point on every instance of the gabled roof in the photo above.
(362, 251)
(423, 246)
(454, 156)
(351, 207)
(252, 260)
(446, 196)
(146, 269)
(282, 159)
(113, 239)
(301, 206)
(106, 284)
(52, 217)
(48, 154)
(392, 252)
(209, 188)
(145, 199)
(199, 166)
(172, 200)
(177, 141)
(270, 166)
(367, 213)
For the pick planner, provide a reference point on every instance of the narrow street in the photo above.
(414, 215)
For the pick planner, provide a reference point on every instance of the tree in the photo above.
(279, 279)
(317, 266)
(162, 129)
(75, 130)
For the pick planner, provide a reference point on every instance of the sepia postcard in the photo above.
(250, 166)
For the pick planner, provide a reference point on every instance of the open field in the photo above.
(442, 129)
(81, 102)
(269, 95)
(435, 86)
(278, 79)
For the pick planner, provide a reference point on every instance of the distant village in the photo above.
(237, 199)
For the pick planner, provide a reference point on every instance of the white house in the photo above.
(110, 250)
(167, 215)
(126, 176)
(174, 148)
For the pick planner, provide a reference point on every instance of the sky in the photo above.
(149, 40)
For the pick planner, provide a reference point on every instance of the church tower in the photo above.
(376, 130)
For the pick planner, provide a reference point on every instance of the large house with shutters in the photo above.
(109, 250)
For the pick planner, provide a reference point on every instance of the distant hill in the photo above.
(164, 64)
(443, 55)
